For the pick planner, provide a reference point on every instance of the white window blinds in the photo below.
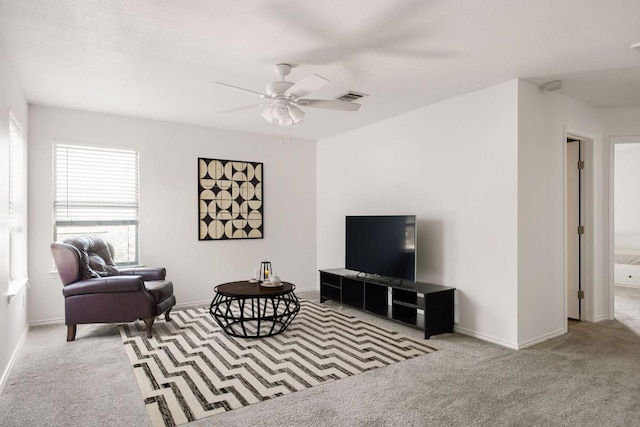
(16, 172)
(17, 210)
(95, 185)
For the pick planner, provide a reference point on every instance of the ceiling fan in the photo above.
(283, 98)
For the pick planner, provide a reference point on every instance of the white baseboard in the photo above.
(193, 304)
(45, 322)
(601, 318)
(14, 356)
(508, 344)
(542, 338)
(484, 337)
(627, 285)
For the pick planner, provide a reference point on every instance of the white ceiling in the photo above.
(157, 59)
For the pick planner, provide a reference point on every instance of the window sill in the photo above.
(15, 286)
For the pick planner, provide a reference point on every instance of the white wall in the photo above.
(13, 317)
(454, 165)
(621, 121)
(168, 203)
(543, 119)
(626, 200)
(484, 172)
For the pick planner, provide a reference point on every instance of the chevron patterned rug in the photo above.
(191, 369)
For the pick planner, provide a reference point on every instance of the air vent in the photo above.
(351, 96)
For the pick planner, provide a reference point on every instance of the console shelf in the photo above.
(423, 305)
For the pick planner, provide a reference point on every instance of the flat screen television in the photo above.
(382, 245)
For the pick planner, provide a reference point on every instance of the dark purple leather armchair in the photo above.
(96, 291)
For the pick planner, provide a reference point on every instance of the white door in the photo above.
(573, 222)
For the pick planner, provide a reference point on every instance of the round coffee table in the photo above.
(249, 310)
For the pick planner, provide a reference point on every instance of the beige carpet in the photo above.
(627, 304)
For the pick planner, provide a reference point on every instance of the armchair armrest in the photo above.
(147, 273)
(111, 284)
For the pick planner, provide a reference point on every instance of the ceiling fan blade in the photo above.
(329, 104)
(241, 88)
(246, 107)
(306, 86)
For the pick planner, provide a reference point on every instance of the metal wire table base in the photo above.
(254, 316)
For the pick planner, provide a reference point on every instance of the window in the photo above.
(17, 214)
(96, 192)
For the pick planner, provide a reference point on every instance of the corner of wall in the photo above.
(543, 119)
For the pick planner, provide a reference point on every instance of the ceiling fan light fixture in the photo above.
(283, 114)
(285, 121)
(296, 113)
(267, 114)
(280, 111)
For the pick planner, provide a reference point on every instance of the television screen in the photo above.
(382, 245)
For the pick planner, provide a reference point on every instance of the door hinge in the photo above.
(581, 164)
(581, 229)
(580, 294)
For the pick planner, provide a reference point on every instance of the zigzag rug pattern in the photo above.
(191, 369)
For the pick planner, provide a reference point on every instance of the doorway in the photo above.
(626, 231)
(579, 225)
(575, 228)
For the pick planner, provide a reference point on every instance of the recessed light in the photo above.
(636, 47)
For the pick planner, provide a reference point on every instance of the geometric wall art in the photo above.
(230, 199)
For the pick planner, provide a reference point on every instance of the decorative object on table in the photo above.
(272, 282)
(275, 280)
(201, 386)
(230, 199)
(265, 271)
(256, 277)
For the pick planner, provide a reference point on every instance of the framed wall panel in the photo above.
(230, 199)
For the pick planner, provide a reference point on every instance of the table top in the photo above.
(244, 288)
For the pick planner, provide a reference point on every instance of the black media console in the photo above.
(407, 299)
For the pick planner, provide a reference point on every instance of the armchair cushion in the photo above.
(95, 257)
(100, 266)
(104, 285)
(160, 289)
(147, 273)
